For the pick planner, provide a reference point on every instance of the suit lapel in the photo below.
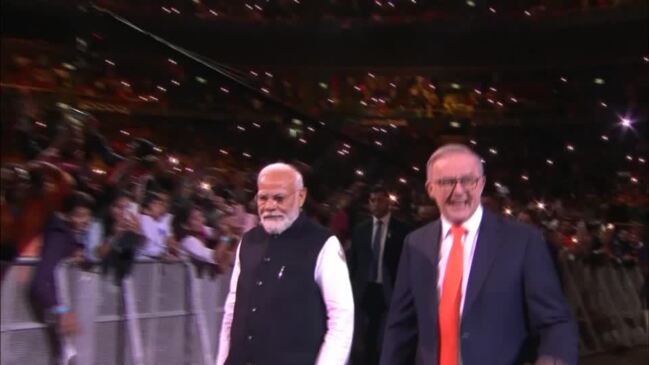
(486, 250)
(368, 234)
(431, 249)
(388, 234)
(429, 273)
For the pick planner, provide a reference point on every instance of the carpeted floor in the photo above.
(635, 356)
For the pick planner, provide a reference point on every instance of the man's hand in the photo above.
(131, 223)
(223, 257)
(102, 250)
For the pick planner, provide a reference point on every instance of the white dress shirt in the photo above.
(384, 234)
(332, 277)
(469, 240)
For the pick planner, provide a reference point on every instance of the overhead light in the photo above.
(626, 122)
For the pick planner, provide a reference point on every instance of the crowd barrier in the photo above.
(164, 313)
(170, 313)
(607, 301)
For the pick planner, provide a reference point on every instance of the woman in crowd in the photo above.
(193, 237)
(116, 239)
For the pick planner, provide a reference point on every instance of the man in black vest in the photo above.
(375, 252)
(290, 299)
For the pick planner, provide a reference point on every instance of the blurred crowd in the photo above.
(72, 154)
(143, 203)
(291, 11)
(124, 84)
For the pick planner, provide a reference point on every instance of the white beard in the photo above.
(279, 225)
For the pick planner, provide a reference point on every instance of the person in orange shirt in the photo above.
(30, 196)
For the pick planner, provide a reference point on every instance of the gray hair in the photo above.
(280, 166)
(449, 149)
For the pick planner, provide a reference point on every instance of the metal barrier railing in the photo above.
(163, 313)
(170, 313)
(606, 300)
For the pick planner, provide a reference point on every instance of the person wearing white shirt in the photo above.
(192, 234)
(290, 300)
(155, 223)
(475, 287)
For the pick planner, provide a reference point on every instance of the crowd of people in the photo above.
(291, 11)
(56, 205)
(171, 85)
(127, 184)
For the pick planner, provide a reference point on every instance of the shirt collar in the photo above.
(471, 225)
(385, 219)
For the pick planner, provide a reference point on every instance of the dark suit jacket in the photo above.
(361, 256)
(513, 292)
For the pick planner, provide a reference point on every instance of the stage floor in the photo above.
(635, 356)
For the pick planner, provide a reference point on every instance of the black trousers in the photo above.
(370, 323)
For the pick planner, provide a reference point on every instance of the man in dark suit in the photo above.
(375, 251)
(473, 287)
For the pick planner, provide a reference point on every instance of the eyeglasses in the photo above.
(467, 182)
(279, 198)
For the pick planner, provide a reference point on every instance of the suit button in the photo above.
(260, 283)
(254, 309)
(465, 336)
(250, 337)
(266, 259)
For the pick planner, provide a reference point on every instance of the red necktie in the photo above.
(449, 303)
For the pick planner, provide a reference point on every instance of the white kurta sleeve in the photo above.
(226, 324)
(332, 276)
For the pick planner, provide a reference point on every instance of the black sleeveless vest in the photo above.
(279, 314)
